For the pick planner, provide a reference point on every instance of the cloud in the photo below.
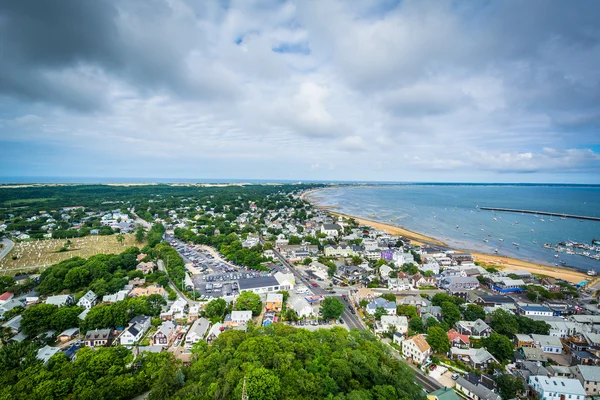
(303, 90)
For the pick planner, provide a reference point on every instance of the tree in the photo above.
(503, 322)
(215, 308)
(407, 310)
(331, 269)
(332, 308)
(248, 301)
(499, 346)
(294, 240)
(356, 260)
(307, 261)
(37, 319)
(120, 238)
(450, 312)
(379, 312)
(474, 312)
(389, 296)
(416, 324)
(438, 339)
(140, 235)
(268, 246)
(509, 386)
(262, 384)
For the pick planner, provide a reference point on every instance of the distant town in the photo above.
(176, 270)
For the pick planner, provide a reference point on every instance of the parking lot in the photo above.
(212, 275)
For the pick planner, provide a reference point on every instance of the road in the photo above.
(140, 221)
(8, 245)
(161, 267)
(428, 384)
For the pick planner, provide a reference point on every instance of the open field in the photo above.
(45, 252)
(28, 201)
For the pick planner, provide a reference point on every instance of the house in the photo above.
(476, 328)
(214, 332)
(68, 334)
(197, 331)
(494, 300)
(416, 301)
(589, 377)
(301, 306)
(331, 229)
(458, 340)
(444, 393)
(274, 301)
(259, 285)
(32, 297)
(419, 280)
(113, 298)
(176, 310)
(6, 296)
(45, 353)
(533, 310)
(286, 281)
(61, 300)
(475, 391)
(522, 340)
(455, 283)
(164, 334)
(135, 331)
(435, 311)
(392, 323)
(98, 337)
(556, 388)
(145, 267)
(88, 300)
(477, 358)
(341, 250)
(148, 291)
(194, 312)
(549, 344)
(14, 324)
(388, 306)
(238, 318)
(9, 305)
(532, 354)
(416, 348)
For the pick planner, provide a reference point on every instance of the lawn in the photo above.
(28, 201)
(41, 253)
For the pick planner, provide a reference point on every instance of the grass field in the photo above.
(45, 252)
(28, 201)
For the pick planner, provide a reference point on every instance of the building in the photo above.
(147, 291)
(476, 328)
(9, 305)
(45, 353)
(475, 391)
(98, 337)
(458, 340)
(456, 283)
(477, 358)
(341, 250)
(68, 334)
(113, 298)
(164, 334)
(416, 349)
(238, 318)
(197, 331)
(331, 229)
(388, 306)
(61, 300)
(589, 377)
(145, 267)
(444, 393)
(6, 296)
(214, 332)
(301, 306)
(88, 300)
(534, 310)
(135, 331)
(259, 285)
(393, 323)
(549, 344)
(274, 301)
(556, 388)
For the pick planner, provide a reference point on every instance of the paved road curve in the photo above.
(8, 245)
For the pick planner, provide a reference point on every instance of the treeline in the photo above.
(102, 273)
(96, 374)
(229, 245)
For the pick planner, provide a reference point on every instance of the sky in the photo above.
(365, 90)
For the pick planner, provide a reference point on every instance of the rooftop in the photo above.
(255, 283)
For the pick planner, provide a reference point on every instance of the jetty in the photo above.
(553, 214)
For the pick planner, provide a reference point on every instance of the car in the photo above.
(341, 321)
(432, 367)
(313, 284)
(352, 311)
(455, 376)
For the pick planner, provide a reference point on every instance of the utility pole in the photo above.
(244, 391)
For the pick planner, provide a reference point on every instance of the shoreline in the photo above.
(508, 263)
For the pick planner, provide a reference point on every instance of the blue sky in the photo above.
(494, 91)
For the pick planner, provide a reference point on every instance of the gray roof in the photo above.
(69, 332)
(589, 373)
(200, 327)
(14, 323)
(481, 391)
(89, 296)
(254, 283)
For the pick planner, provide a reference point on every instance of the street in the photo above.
(8, 245)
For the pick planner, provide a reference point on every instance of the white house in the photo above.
(197, 331)
(534, 310)
(556, 388)
(301, 306)
(238, 318)
(378, 302)
(88, 300)
(61, 300)
(392, 322)
(331, 229)
(548, 343)
(416, 348)
(135, 331)
(589, 377)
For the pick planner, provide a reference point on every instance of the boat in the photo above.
(516, 222)
(515, 244)
(485, 240)
(534, 242)
(591, 272)
(556, 256)
(502, 240)
(563, 218)
(496, 251)
(495, 219)
(532, 230)
(563, 263)
(542, 219)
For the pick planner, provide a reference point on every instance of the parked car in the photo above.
(455, 377)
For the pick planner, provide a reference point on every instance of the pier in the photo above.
(512, 210)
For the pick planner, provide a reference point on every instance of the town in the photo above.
(187, 266)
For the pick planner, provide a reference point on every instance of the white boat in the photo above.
(495, 219)
(515, 244)
(556, 256)
(541, 219)
(485, 240)
(591, 272)
(502, 240)
(496, 251)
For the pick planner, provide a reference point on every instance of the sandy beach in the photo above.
(506, 263)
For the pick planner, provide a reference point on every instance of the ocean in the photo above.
(451, 213)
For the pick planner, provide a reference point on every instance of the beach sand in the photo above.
(507, 263)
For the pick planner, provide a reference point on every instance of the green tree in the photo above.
(438, 339)
(474, 312)
(356, 260)
(509, 386)
(307, 261)
(263, 384)
(407, 310)
(215, 308)
(499, 346)
(379, 312)
(450, 312)
(37, 319)
(140, 235)
(331, 269)
(503, 322)
(249, 301)
(332, 307)
(416, 324)
(294, 240)
(389, 297)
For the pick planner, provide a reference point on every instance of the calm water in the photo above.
(450, 213)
